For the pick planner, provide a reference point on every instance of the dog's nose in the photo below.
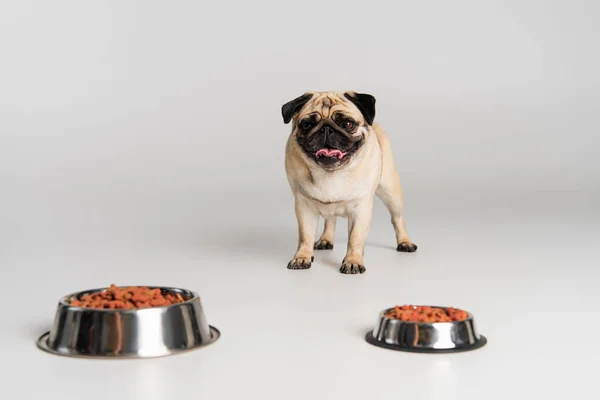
(326, 131)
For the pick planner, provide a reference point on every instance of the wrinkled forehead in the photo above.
(326, 104)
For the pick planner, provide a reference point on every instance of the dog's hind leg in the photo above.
(391, 195)
(390, 192)
(327, 238)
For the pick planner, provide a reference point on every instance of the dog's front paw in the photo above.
(407, 247)
(350, 267)
(300, 263)
(323, 245)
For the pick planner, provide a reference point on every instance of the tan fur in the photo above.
(346, 192)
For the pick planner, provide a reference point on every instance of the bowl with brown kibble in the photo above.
(128, 322)
(426, 329)
(127, 298)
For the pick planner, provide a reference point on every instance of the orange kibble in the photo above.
(426, 314)
(140, 297)
(127, 298)
(158, 302)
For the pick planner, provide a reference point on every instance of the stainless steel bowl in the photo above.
(419, 337)
(131, 333)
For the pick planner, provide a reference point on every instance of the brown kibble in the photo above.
(140, 297)
(143, 304)
(159, 302)
(426, 314)
(126, 298)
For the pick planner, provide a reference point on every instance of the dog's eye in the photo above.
(348, 125)
(305, 125)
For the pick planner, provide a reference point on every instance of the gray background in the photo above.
(144, 139)
(120, 114)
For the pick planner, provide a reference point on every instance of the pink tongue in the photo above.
(331, 153)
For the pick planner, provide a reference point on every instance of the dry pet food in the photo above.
(426, 314)
(127, 298)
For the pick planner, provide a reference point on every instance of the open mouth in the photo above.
(329, 147)
(335, 153)
(330, 157)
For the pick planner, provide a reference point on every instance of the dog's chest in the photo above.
(341, 186)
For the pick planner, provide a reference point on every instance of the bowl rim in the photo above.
(63, 302)
(382, 316)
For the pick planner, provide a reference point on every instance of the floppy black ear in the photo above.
(365, 103)
(289, 109)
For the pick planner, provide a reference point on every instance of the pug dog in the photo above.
(337, 159)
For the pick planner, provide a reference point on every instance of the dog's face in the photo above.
(330, 127)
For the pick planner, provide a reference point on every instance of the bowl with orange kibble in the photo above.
(128, 322)
(426, 329)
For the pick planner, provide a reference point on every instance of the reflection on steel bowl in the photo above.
(145, 330)
(426, 329)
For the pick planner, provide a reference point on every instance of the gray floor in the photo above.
(527, 267)
(144, 144)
